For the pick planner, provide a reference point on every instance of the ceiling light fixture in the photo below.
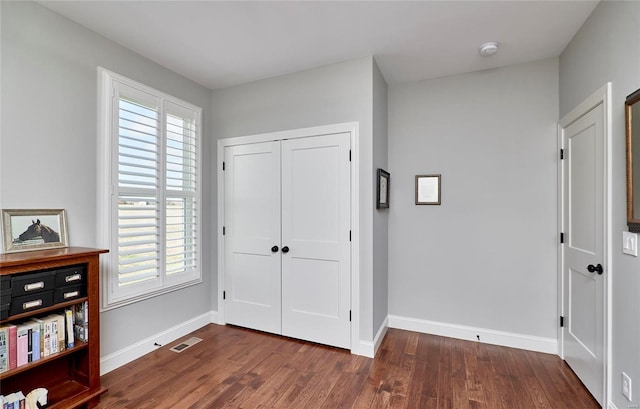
(488, 49)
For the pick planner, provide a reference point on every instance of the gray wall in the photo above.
(333, 94)
(380, 217)
(486, 257)
(607, 48)
(48, 144)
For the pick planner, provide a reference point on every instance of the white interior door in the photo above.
(584, 257)
(252, 229)
(316, 276)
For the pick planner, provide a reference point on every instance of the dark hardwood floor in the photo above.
(239, 368)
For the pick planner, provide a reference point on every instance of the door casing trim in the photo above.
(349, 127)
(601, 96)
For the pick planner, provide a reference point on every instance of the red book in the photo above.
(13, 346)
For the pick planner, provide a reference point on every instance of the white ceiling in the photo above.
(219, 44)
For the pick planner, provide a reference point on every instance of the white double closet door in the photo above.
(287, 238)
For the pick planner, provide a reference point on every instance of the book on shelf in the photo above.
(38, 338)
(62, 344)
(4, 349)
(69, 328)
(21, 399)
(53, 334)
(22, 345)
(81, 322)
(10, 400)
(29, 343)
(50, 336)
(57, 339)
(36, 352)
(15, 400)
(13, 346)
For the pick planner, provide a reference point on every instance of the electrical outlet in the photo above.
(626, 386)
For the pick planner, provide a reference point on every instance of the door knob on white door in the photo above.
(591, 268)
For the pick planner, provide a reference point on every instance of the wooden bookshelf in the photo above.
(72, 376)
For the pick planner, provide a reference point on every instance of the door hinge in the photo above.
(224, 295)
(561, 238)
(561, 154)
(349, 315)
(561, 321)
(223, 166)
(224, 230)
(349, 155)
(349, 235)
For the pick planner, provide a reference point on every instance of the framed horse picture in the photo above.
(34, 229)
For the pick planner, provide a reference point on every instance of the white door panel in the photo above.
(323, 276)
(252, 228)
(584, 225)
(315, 227)
(584, 202)
(582, 309)
(248, 285)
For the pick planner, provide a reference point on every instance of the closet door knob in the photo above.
(274, 249)
(285, 249)
(592, 269)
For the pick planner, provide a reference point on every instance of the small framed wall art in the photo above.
(382, 189)
(428, 189)
(25, 230)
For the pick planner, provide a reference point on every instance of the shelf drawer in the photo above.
(5, 296)
(68, 293)
(31, 302)
(4, 311)
(5, 282)
(71, 276)
(23, 284)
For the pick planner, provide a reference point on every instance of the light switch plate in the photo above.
(626, 387)
(630, 243)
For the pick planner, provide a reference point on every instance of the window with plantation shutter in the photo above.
(152, 188)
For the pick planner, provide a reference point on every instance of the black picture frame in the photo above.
(428, 189)
(383, 182)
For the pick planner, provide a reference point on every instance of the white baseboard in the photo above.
(125, 355)
(369, 349)
(488, 336)
(380, 335)
(365, 348)
(611, 406)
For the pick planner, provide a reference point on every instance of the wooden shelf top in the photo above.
(36, 256)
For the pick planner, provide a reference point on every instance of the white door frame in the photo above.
(601, 96)
(353, 129)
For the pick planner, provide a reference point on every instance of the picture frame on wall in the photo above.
(34, 229)
(382, 189)
(428, 189)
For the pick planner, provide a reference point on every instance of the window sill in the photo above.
(134, 299)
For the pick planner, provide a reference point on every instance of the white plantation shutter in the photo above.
(154, 190)
(181, 223)
(138, 212)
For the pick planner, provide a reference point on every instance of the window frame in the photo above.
(108, 190)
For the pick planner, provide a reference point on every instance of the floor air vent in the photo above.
(185, 345)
